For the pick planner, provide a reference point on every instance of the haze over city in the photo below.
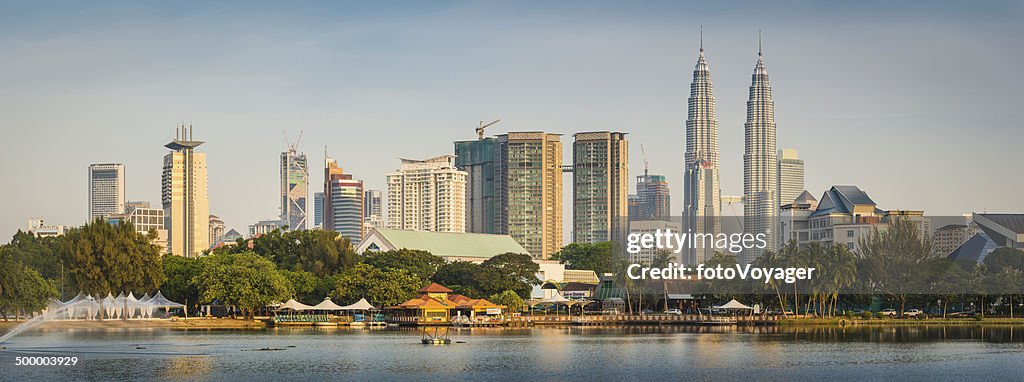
(915, 104)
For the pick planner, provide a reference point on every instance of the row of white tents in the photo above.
(325, 305)
(87, 307)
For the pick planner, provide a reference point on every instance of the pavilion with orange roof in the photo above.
(437, 304)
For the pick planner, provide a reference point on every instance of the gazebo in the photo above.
(735, 305)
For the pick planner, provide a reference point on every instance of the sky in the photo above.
(917, 103)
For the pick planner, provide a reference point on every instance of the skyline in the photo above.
(88, 93)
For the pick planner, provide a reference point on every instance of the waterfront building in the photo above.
(427, 195)
(265, 226)
(702, 194)
(439, 305)
(479, 159)
(294, 188)
(646, 255)
(791, 175)
(450, 246)
(760, 164)
(38, 227)
(318, 210)
(529, 190)
(372, 208)
(106, 190)
(185, 196)
(653, 200)
(343, 203)
(600, 187)
(216, 230)
(793, 219)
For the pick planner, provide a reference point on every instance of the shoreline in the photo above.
(256, 324)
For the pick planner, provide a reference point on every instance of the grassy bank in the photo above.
(192, 323)
(892, 321)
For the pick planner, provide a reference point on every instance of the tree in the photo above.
(245, 280)
(597, 257)
(303, 284)
(420, 264)
(893, 259)
(510, 271)
(510, 299)
(381, 287)
(101, 258)
(322, 253)
(178, 285)
(1003, 258)
(662, 258)
(22, 288)
(462, 277)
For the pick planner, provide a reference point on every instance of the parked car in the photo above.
(674, 311)
(887, 313)
(913, 313)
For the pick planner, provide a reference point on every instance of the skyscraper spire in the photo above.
(760, 163)
(701, 192)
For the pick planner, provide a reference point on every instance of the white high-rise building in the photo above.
(760, 165)
(427, 195)
(702, 195)
(106, 190)
(185, 197)
(791, 176)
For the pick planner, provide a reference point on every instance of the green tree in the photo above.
(22, 289)
(101, 258)
(510, 299)
(381, 287)
(510, 271)
(598, 257)
(462, 277)
(304, 284)
(322, 253)
(421, 264)
(893, 258)
(1003, 258)
(178, 285)
(245, 280)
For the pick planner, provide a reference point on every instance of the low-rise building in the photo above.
(450, 246)
(38, 227)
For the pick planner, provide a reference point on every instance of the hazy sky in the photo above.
(918, 104)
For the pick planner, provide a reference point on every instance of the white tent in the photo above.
(107, 304)
(326, 304)
(293, 305)
(159, 301)
(733, 304)
(131, 304)
(362, 304)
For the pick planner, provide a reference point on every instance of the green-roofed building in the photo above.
(451, 246)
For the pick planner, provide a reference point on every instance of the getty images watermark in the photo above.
(669, 240)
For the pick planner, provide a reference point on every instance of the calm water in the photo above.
(900, 353)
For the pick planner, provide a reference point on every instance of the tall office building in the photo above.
(478, 159)
(652, 194)
(106, 190)
(145, 220)
(702, 195)
(318, 210)
(528, 177)
(427, 195)
(791, 176)
(600, 165)
(372, 209)
(760, 164)
(343, 203)
(185, 197)
(294, 188)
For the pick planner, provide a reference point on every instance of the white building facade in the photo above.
(427, 195)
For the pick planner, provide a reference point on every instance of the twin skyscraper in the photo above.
(702, 199)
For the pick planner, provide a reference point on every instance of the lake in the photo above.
(563, 353)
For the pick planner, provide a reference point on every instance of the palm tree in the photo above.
(662, 259)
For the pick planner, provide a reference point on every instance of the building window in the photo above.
(849, 246)
(849, 233)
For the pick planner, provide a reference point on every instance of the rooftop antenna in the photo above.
(480, 128)
(701, 38)
(759, 43)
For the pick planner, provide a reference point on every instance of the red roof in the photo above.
(434, 288)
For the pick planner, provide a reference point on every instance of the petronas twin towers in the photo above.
(702, 203)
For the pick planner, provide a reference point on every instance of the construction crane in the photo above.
(292, 147)
(480, 128)
(644, 154)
